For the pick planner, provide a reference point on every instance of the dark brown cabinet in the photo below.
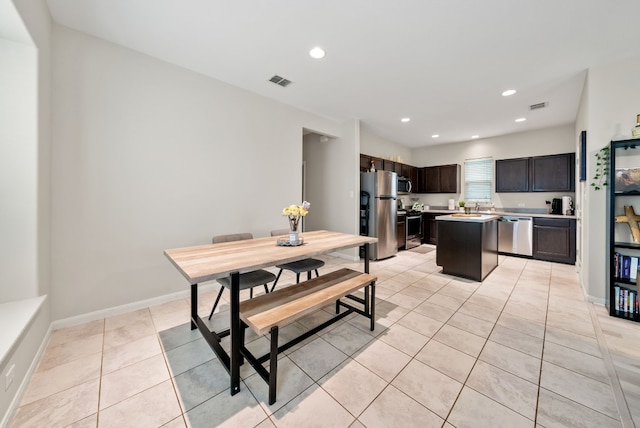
(365, 163)
(554, 239)
(403, 170)
(553, 173)
(401, 233)
(439, 179)
(429, 226)
(512, 175)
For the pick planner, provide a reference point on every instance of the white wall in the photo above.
(25, 157)
(547, 141)
(333, 181)
(373, 145)
(149, 156)
(610, 110)
(18, 171)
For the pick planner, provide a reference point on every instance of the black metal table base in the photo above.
(232, 361)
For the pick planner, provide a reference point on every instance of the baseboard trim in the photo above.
(123, 309)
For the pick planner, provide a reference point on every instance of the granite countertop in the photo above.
(475, 218)
(502, 213)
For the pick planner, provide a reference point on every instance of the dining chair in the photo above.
(247, 279)
(298, 267)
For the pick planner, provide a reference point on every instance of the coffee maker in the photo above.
(562, 206)
(567, 205)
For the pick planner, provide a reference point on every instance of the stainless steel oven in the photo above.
(414, 229)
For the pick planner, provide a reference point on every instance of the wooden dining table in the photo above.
(204, 263)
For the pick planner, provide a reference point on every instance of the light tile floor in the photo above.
(520, 349)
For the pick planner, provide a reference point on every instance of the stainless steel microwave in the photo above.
(404, 185)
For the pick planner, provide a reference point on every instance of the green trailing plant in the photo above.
(602, 169)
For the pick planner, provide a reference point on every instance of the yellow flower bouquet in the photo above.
(294, 213)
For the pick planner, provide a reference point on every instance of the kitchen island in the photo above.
(467, 244)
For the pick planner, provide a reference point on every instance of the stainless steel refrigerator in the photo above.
(382, 187)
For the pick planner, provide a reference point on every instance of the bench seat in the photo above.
(267, 313)
(286, 305)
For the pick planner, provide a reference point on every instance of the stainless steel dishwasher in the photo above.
(515, 235)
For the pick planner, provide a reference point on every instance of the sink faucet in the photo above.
(477, 206)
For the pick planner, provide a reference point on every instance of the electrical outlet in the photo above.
(8, 377)
(520, 205)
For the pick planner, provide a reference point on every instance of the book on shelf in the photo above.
(626, 267)
(626, 300)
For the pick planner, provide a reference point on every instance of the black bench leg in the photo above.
(273, 365)
(373, 304)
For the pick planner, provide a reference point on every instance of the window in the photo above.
(478, 179)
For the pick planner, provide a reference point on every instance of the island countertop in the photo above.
(476, 218)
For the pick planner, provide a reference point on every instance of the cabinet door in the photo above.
(388, 165)
(365, 162)
(378, 163)
(413, 175)
(399, 169)
(401, 234)
(429, 227)
(512, 175)
(555, 173)
(449, 179)
(554, 240)
(431, 179)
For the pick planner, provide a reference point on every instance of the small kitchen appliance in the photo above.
(567, 205)
(556, 206)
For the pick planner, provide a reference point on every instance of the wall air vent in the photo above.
(278, 80)
(537, 106)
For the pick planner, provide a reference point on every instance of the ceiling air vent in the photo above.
(537, 106)
(278, 80)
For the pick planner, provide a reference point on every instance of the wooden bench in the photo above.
(269, 312)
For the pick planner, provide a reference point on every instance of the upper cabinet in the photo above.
(365, 163)
(439, 179)
(512, 175)
(554, 173)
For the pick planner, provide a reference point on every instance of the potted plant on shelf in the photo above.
(466, 210)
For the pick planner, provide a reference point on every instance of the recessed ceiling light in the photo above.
(508, 92)
(521, 119)
(317, 53)
(475, 136)
(405, 119)
(435, 135)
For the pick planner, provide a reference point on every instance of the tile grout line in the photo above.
(544, 337)
(618, 394)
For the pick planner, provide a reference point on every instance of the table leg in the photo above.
(366, 258)
(235, 332)
(194, 306)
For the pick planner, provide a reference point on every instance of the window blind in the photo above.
(478, 179)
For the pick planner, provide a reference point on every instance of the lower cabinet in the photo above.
(554, 240)
(401, 233)
(429, 228)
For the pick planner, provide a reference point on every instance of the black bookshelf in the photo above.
(623, 300)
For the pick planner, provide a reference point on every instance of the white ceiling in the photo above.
(443, 63)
